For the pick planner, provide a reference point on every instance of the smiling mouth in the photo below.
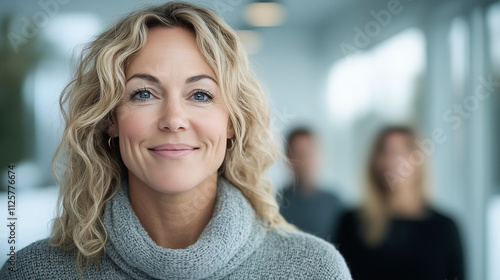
(173, 151)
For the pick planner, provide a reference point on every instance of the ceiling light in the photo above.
(265, 14)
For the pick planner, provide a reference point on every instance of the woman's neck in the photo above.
(406, 202)
(173, 221)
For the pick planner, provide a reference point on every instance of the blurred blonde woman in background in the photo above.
(162, 163)
(396, 233)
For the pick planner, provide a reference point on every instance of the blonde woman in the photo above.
(396, 233)
(164, 155)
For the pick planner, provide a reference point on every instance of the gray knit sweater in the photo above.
(234, 245)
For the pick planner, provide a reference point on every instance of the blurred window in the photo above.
(376, 82)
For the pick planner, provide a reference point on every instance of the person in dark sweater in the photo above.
(303, 202)
(396, 233)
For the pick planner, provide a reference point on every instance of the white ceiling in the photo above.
(300, 13)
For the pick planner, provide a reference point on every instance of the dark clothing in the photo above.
(316, 213)
(427, 248)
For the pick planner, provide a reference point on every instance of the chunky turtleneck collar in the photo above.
(232, 234)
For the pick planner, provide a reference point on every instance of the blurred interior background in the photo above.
(344, 68)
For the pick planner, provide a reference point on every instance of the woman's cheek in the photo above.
(134, 123)
(214, 128)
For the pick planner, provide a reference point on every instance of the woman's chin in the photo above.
(175, 184)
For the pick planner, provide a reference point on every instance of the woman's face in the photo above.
(172, 123)
(396, 148)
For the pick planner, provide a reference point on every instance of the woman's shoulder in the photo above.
(42, 249)
(304, 256)
(439, 216)
(350, 214)
(297, 240)
(442, 223)
(440, 219)
(38, 260)
(41, 260)
(349, 220)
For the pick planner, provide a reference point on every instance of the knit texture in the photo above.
(234, 245)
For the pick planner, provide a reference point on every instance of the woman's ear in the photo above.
(112, 127)
(230, 129)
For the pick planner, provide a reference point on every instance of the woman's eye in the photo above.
(144, 94)
(141, 95)
(199, 96)
(202, 96)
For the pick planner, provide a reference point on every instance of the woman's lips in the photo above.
(173, 151)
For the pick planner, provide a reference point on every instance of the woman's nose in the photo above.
(173, 116)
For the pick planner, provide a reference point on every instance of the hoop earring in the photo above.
(110, 145)
(231, 140)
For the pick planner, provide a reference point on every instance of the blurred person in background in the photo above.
(396, 233)
(303, 202)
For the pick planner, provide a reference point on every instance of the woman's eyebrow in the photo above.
(143, 76)
(199, 77)
(154, 79)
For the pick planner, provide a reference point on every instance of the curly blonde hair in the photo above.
(89, 172)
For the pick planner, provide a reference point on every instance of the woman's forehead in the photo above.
(172, 53)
